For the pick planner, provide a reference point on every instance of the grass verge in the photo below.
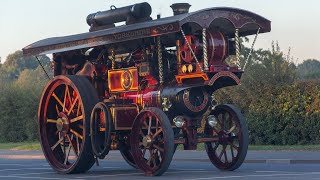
(20, 146)
(36, 146)
(271, 147)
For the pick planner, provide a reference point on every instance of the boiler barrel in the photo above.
(140, 10)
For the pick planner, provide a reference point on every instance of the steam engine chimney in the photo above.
(180, 8)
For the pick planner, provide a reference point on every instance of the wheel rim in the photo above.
(62, 125)
(152, 146)
(127, 155)
(101, 140)
(230, 150)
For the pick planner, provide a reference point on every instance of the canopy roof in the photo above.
(227, 19)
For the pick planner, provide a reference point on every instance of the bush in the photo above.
(281, 115)
(19, 105)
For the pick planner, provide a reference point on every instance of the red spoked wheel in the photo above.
(152, 141)
(230, 150)
(64, 118)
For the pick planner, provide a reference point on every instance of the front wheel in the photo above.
(230, 129)
(152, 141)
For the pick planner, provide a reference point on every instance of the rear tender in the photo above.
(145, 87)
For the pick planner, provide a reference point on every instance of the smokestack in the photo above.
(180, 8)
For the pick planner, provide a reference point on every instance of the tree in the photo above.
(16, 63)
(309, 69)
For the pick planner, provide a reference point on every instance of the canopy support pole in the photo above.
(189, 46)
(250, 53)
(205, 52)
(159, 49)
(43, 68)
(113, 59)
(237, 41)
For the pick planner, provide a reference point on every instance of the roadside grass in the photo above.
(271, 147)
(285, 148)
(20, 146)
(36, 146)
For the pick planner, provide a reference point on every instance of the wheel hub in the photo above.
(223, 137)
(147, 141)
(62, 123)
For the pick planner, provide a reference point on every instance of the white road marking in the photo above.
(111, 167)
(1, 170)
(177, 169)
(258, 175)
(24, 177)
(22, 165)
(33, 173)
(108, 175)
(276, 172)
(177, 172)
(130, 174)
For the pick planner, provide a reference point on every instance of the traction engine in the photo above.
(145, 87)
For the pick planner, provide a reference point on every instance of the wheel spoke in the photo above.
(76, 133)
(149, 127)
(57, 109)
(57, 99)
(157, 133)
(225, 153)
(219, 120)
(65, 98)
(76, 119)
(233, 146)
(69, 95)
(216, 146)
(57, 143)
(154, 160)
(70, 139)
(67, 154)
(72, 106)
(221, 153)
(78, 109)
(51, 121)
(216, 131)
(232, 153)
(150, 157)
(231, 129)
(158, 147)
(157, 124)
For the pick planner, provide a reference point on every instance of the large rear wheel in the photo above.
(230, 129)
(64, 118)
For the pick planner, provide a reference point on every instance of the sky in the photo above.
(295, 23)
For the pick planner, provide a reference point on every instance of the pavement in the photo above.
(190, 165)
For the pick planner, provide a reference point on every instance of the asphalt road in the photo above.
(184, 166)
